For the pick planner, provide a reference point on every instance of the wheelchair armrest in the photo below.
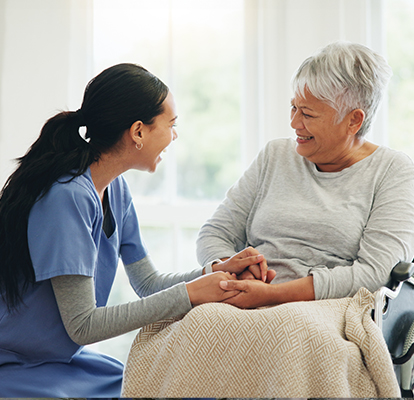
(402, 271)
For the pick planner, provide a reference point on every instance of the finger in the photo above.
(246, 274)
(263, 270)
(247, 261)
(229, 294)
(233, 285)
(227, 275)
(271, 274)
(234, 301)
(248, 252)
(255, 270)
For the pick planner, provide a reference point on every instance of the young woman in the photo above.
(66, 216)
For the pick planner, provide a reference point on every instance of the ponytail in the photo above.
(112, 102)
(58, 150)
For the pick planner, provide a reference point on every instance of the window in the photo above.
(181, 42)
(400, 45)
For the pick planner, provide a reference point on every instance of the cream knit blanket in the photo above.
(327, 348)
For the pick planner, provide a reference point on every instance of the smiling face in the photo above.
(331, 145)
(156, 137)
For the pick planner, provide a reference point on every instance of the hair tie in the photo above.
(81, 117)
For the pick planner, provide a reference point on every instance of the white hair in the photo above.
(346, 76)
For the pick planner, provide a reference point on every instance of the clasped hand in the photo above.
(247, 266)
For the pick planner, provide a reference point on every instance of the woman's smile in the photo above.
(303, 139)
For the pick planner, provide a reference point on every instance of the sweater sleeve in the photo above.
(224, 234)
(387, 238)
(85, 323)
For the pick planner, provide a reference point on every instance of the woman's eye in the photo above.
(293, 109)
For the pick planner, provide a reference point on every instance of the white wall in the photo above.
(44, 46)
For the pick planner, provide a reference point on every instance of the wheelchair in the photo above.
(394, 315)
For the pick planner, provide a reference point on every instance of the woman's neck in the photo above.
(104, 171)
(360, 150)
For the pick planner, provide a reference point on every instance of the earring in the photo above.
(139, 146)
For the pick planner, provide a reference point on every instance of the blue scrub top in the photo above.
(65, 237)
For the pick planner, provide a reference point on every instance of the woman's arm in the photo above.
(145, 279)
(387, 238)
(85, 323)
(225, 232)
(254, 293)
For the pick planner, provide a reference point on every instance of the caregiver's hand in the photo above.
(241, 261)
(206, 288)
(252, 293)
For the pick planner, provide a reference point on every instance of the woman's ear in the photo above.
(135, 131)
(357, 117)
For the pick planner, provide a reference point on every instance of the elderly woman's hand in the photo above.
(254, 293)
(248, 259)
(253, 272)
(251, 293)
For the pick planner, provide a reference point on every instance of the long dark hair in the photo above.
(112, 102)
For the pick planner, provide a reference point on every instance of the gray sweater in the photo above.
(347, 229)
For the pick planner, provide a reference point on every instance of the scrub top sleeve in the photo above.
(63, 232)
(133, 248)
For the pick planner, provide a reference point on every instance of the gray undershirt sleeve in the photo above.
(85, 323)
(145, 279)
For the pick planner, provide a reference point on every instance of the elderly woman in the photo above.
(330, 211)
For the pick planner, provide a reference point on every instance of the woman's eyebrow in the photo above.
(301, 107)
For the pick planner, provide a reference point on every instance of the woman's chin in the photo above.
(154, 166)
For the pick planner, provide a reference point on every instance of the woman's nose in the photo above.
(295, 120)
(175, 135)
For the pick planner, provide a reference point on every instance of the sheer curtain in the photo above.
(232, 97)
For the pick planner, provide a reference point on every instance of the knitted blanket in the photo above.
(326, 348)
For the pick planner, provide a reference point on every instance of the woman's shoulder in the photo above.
(280, 144)
(81, 185)
(67, 205)
(70, 192)
(390, 169)
(280, 152)
(278, 149)
(392, 158)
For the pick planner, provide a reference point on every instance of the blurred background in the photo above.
(228, 64)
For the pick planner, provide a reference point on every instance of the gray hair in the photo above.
(346, 76)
